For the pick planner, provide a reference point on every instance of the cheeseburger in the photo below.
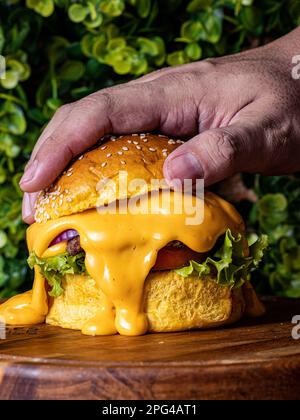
(105, 272)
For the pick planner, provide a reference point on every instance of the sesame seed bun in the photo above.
(81, 186)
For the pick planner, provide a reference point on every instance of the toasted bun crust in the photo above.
(171, 302)
(81, 186)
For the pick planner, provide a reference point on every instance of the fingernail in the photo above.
(184, 166)
(28, 207)
(29, 173)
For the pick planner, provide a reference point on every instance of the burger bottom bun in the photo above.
(171, 302)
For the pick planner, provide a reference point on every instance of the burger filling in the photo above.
(226, 262)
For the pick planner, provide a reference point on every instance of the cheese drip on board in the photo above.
(120, 251)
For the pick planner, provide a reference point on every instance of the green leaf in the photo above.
(77, 12)
(87, 44)
(193, 51)
(116, 43)
(53, 103)
(43, 7)
(99, 45)
(55, 268)
(94, 23)
(123, 65)
(197, 5)
(231, 265)
(19, 68)
(122, 60)
(2, 39)
(71, 71)
(3, 239)
(147, 46)
(12, 119)
(143, 7)
(272, 203)
(139, 66)
(112, 8)
(212, 24)
(251, 20)
(177, 58)
(191, 30)
(112, 31)
(160, 59)
(185, 271)
(11, 79)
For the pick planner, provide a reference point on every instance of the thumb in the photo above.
(213, 155)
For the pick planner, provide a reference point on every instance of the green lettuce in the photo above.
(231, 267)
(55, 268)
(229, 264)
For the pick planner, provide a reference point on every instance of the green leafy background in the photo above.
(58, 51)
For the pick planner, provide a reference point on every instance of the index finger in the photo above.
(125, 109)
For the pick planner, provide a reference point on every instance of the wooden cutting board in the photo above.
(256, 359)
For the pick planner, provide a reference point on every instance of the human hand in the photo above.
(241, 113)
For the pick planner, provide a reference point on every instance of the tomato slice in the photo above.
(170, 257)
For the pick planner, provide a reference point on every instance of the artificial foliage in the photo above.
(58, 51)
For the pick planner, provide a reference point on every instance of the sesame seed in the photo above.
(113, 138)
(69, 173)
(138, 147)
(165, 154)
(103, 164)
(179, 141)
(171, 141)
(161, 135)
(103, 147)
(145, 140)
(123, 162)
(142, 136)
(108, 155)
(80, 157)
(135, 142)
(69, 199)
(134, 135)
(164, 150)
(61, 202)
(67, 191)
(152, 149)
(120, 152)
(56, 213)
(53, 205)
(129, 141)
(95, 171)
(125, 148)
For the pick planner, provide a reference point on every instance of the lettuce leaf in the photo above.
(231, 266)
(55, 268)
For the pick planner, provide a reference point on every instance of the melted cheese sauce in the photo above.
(120, 251)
